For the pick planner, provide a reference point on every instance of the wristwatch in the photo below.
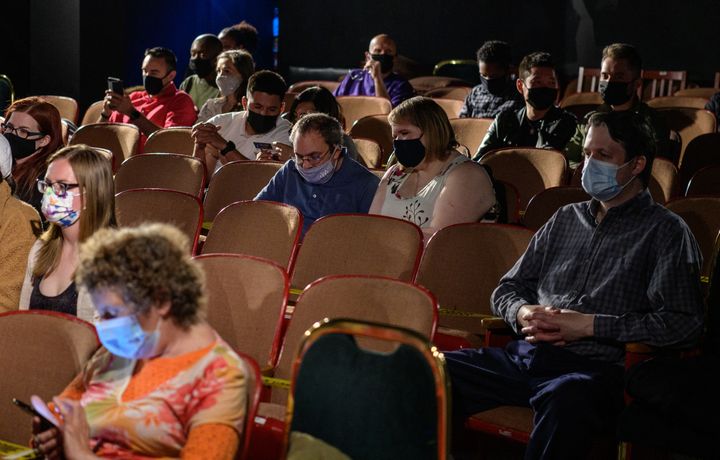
(135, 114)
(228, 148)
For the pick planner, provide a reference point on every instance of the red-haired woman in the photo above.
(33, 129)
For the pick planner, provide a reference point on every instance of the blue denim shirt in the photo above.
(351, 189)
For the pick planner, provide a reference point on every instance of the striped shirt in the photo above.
(637, 271)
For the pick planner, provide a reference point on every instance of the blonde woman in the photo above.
(433, 185)
(78, 199)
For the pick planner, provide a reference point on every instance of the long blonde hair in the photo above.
(93, 171)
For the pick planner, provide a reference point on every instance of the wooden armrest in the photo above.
(639, 348)
(456, 312)
(494, 323)
(267, 371)
(276, 383)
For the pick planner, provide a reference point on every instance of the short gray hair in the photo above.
(328, 127)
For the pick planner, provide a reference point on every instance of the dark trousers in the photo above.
(574, 398)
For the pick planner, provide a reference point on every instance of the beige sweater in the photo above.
(85, 308)
(19, 223)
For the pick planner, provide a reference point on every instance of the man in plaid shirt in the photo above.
(619, 268)
(496, 91)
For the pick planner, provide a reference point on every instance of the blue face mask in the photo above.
(125, 337)
(319, 174)
(599, 179)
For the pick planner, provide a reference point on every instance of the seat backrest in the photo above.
(92, 114)
(170, 140)
(459, 93)
(366, 298)
(246, 299)
(377, 128)
(703, 150)
(253, 383)
(346, 395)
(356, 107)
(136, 206)
(511, 201)
(371, 153)
(702, 215)
(588, 79)
(67, 106)
(689, 123)
(450, 106)
(41, 353)
(687, 102)
(470, 132)
(705, 182)
(463, 263)
(423, 84)
(300, 86)
(237, 181)
(663, 180)
(7, 92)
(120, 138)
(543, 205)
(580, 104)
(465, 69)
(170, 171)
(663, 82)
(358, 244)
(530, 170)
(257, 228)
(289, 98)
(705, 93)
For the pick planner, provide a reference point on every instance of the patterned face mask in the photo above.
(59, 209)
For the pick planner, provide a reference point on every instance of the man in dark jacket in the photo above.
(540, 123)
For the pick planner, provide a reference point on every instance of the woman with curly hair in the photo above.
(32, 127)
(77, 200)
(164, 384)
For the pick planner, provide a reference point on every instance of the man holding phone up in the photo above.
(248, 134)
(161, 105)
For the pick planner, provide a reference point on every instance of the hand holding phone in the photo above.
(48, 420)
(115, 85)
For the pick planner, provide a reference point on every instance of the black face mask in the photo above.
(201, 67)
(20, 148)
(542, 98)
(385, 60)
(409, 152)
(614, 92)
(261, 123)
(494, 86)
(153, 85)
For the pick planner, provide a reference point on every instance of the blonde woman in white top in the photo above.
(433, 185)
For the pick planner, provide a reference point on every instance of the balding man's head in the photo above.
(382, 44)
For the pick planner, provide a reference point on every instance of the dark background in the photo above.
(69, 47)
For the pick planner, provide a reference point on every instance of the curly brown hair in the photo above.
(145, 265)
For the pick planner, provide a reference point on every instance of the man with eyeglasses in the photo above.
(161, 105)
(377, 78)
(320, 179)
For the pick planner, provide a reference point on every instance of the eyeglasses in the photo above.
(313, 158)
(59, 188)
(22, 133)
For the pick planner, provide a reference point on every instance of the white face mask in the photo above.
(227, 84)
(125, 337)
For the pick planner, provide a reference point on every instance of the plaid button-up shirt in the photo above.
(481, 104)
(638, 271)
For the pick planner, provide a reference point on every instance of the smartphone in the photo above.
(45, 424)
(115, 85)
(262, 145)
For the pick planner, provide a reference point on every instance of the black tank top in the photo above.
(65, 302)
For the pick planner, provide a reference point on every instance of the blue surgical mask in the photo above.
(599, 179)
(124, 337)
(319, 174)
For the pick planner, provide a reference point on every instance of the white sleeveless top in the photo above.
(419, 208)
